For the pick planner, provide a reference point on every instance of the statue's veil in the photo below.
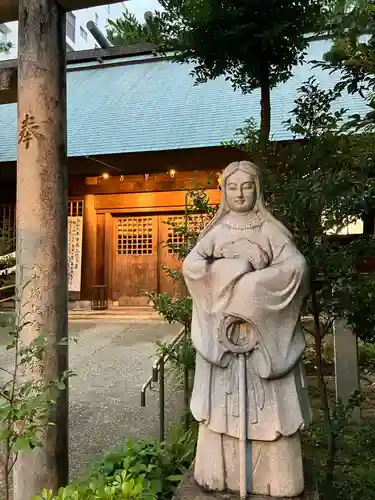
(259, 208)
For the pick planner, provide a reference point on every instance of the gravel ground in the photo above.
(111, 359)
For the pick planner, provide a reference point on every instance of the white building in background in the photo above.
(78, 36)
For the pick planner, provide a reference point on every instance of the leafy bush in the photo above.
(25, 404)
(140, 470)
(366, 354)
(120, 487)
(354, 477)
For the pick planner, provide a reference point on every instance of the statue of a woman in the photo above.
(246, 269)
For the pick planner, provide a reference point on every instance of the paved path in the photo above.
(112, 359)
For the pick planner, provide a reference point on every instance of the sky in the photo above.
(139, 7)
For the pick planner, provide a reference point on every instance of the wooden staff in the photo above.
(241, 350)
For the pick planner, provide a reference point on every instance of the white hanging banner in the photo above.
(75, 233)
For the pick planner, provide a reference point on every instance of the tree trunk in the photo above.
(42, 289)
(265, 106)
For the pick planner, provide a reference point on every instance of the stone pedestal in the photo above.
(189, 490)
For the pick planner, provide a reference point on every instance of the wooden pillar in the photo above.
(89, 246)
(108, 253)
(100, 238)
(42, 225)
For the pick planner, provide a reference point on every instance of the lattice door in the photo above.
(136, 258)
(175, 238)
(75, 208)
(135, 236)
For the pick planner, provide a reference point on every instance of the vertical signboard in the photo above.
(75, 232)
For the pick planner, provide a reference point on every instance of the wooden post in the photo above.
(346, 362)
(42, 225)
(108, 253)
(89, 246)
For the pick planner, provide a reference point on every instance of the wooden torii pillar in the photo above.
(42, 215)
(41, 225)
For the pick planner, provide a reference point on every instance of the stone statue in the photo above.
(248, 281)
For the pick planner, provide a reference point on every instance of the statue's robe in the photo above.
(265, 286)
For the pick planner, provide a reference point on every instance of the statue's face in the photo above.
(240, 192)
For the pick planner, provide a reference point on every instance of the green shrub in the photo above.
(354, 477)
(119, 487)
(366, 354)
(140, 470)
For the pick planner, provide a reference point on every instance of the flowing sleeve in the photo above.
(270, 300)
(210, 283)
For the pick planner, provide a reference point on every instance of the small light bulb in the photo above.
(172, 173)
(105, 175)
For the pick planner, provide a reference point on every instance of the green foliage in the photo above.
(253, 43)
(25, 404)
(181, 356)
(354, 477)
(141, 470)
(120, 487)
(5, 47)
(317, 186)
(127, 30)
(366, 355)
(172, 309)
(351, 25)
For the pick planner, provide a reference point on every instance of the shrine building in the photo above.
(140, 133)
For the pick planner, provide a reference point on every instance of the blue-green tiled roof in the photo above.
(154, 105)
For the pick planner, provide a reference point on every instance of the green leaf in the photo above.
(175, 478)
(21, 443)
(156, 485)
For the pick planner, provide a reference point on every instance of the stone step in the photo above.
(124, 313)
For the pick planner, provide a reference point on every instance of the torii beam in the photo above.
(8, 69)
(9, 8)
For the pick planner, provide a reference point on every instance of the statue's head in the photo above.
(242, 192)
(241, 187)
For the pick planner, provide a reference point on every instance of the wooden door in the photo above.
(136, 258)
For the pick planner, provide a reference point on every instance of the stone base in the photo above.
(190, 490)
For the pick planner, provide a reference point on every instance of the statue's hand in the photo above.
(228, 252)
(247, 250)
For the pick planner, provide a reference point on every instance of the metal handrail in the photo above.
(158, 375)
(157, 362)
